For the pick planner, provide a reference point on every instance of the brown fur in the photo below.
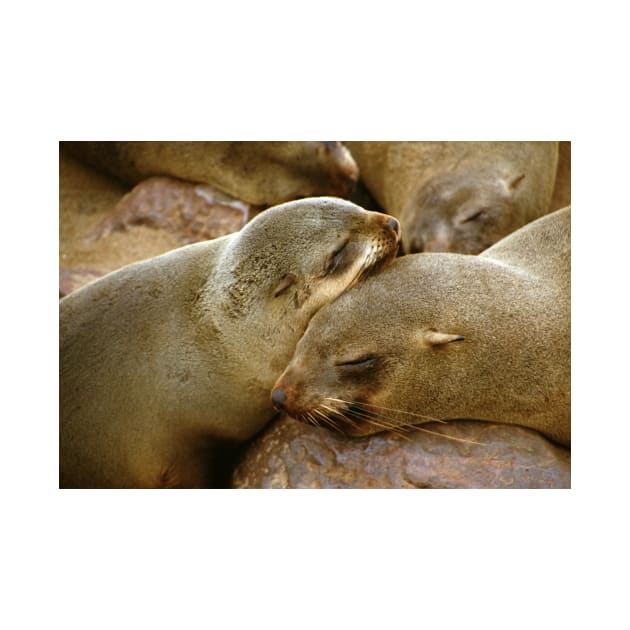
(167, 358)
(458, 196)
(562, 189)
(446, 336)
(260, 173)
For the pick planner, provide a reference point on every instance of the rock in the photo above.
(290, 454)
(191, 212)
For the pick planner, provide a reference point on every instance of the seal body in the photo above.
(260, 173)
(562, 190)
(443, 337)
(459, 196)
(167, 359)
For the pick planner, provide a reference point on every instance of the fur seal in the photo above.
(562, 190)
(443, 337)
(458, 196)
(166, 358)
(260, 173)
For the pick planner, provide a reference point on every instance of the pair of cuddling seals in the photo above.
(260, 173)
(459, 196)
(166, 359)
(444, 337)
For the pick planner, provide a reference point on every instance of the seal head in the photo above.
(444, 337)
(454, 213)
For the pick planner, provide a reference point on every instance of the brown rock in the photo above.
(191, 212)
(482, 455)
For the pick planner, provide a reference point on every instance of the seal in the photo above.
(444, 337)
(459, 196)
(166, 360)
(260, 173)
(562, 190)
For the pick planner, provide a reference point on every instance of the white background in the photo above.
(314, 71)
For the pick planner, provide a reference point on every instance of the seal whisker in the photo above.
(444, 435)
(379, 420)
(339, 413)
(370, 417)
(411, 413)
(312, 419)
(329, 421)
(387, 423)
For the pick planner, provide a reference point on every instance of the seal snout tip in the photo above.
(278, 398)
(394, 225)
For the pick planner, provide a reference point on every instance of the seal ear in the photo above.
(515, 182)
(286, 281)
(435, 338)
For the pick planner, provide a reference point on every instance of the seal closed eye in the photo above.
(165, 359)
(334, 260)
(361, 362)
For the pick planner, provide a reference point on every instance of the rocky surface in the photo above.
(191, 212)
(478, 455)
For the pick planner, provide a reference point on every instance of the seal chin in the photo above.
(380, 252)
(349, 419)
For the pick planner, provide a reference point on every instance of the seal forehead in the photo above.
(314, 213)
(293, 238)
(352, 319)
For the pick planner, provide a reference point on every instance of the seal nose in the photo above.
(394, 225)
(278, 397)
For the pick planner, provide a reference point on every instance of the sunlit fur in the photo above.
(166, 357)
(447, 336)
(261, 173)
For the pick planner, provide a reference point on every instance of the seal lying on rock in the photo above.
(260, 173)
(166, 358)
(442, 337)
(458, 196)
